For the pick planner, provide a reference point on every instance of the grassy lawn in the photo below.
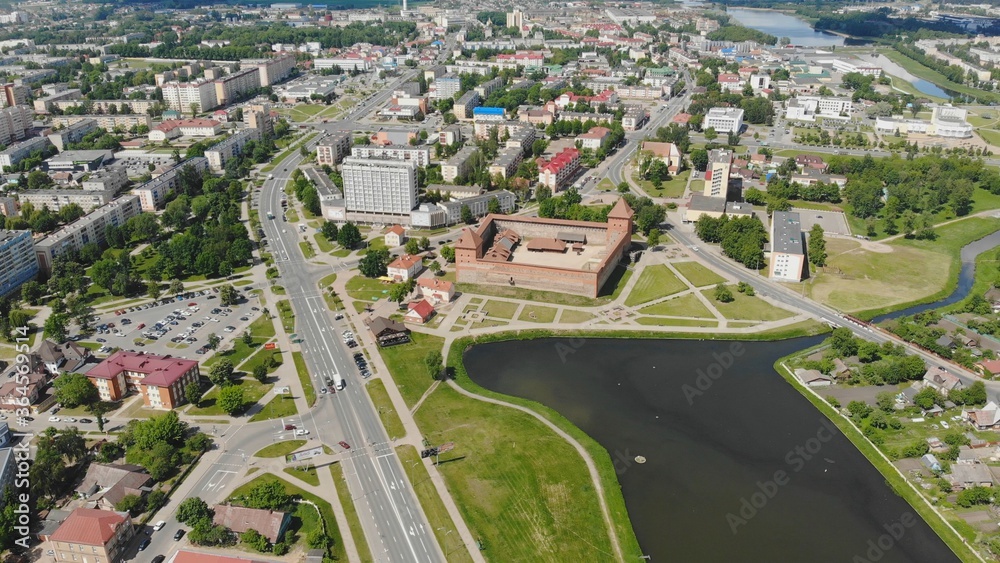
(525, 503)
(660, 321)
(262, 357)
(307, 250)
(323, 244)
(675, 187)
(305, 518)
(367, 289)
(373, 244)
(351, 512)
(406, 364)
(236, 353)
(280, 406)
(606, 185)
(654, 282)
(253, 391)
(304, 378)
(611, 290)
(935, 77)
(571, 316)
(745, 308)
(307, 474)
(327, 280)
(698, 275)
(280, 449)
(390, 419)
(536, 314)
(287, 316)
(684, 306)
(500, 309)
(430, 501)
(990, 136)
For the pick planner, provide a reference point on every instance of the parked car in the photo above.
(289, 427)
(178, 534)
(159, 525)
(301, 432)
(345, 445)
(144, 544)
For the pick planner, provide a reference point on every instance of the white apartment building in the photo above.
(379, 186)
(153, 194)
(419, 155)
(220, 153)
(86, 229)
(720, 162)
(333, 147)
(808, 108)
(111, 180)
(72, 133)
(181, 95)
(106, 121)
(724, 120)
(445, 87)
(458, 165)
(15, 122)
(14, 154)
(788, 257)
(18, 262)
(346, 64)
(55, 199)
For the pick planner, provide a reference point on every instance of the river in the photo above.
(783, 25)
(741, 469)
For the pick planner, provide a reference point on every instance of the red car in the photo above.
(192, 304)
(289, 427)
(345, 445)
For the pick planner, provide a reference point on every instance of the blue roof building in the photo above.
(489, 111)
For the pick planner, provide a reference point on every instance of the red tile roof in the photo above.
(89, 526)
(435, 284)
(161, 371)
(398, 229)
(423, 308)
(185, 556)
(621, 210)
(559, 161)
(405, 262)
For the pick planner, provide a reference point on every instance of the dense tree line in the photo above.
(741, 239)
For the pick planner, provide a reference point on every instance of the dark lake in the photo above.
(748, 435)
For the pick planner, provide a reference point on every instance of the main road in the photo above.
(394, 524)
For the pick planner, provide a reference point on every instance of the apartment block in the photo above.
(419, 155)
(467, 104)
(379, 185)
(258, 116)
(220, 153)
(788, 260)
(55, 200)
(111, 180)
(153, 194)
(74, 133)
(159, 379)
(182, 96)
(346, 64)
(14, 94)
(557, 172)
(14, 154)
(445, 86)
(273, 70)
(92, 535)
(18, 262)
(720, 162)
(229, 89)
(333, 147)
(106, 121)
(15, 122)
(45, 104)
(506, 162)
(89, 228)
(122, 106)
(459, 165)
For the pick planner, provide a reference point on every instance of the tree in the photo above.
(817, 246)
(222, 373)
(926, 398)
(74, 389)
(373, 264)
(412, 246)
(710, 134)
(130, 503)
(192, 392)
(32, 292)
(448, 253)
(55, 327)
(98, 409)
(213, 341)
(723, 294)
(398, 292)
(270, 495)
(232, 400)
(176, 287)
(227, 295)
(859, 409)
(254, 540)
(699, 159)
(192, 510)
(349, 236)
(435, 363)
(467, 216)
(260, 373)
(153, 290)
(329, 230)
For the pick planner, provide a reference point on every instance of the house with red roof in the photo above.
(405, 267)
(173, 128)
(185, 556)
(419, 312)
(557, 172)
(595, 138)
(436, 289)
(160, 379)
(91, 534)
(395, 236)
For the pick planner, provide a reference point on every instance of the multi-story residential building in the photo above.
(635, 117)
(14, 94)
(594, 139)
(160, 379)
(522, 139)
(450, 135)
(134, 106)
(89, 228)
(345, 63)
(106, 122)
(436, 215)
(229, 89)
(258, 116)
(419, 155)
(232, 146)
(74, 133)
(272, 70)
(379, 186)
(15, 122)
(506, 162)
(90, 535)
(57, 199)
(8, 207)
(333, 147)
(557, 172)
(724, 120)
(14, 154)
(183, 96)
(445, 86)
(46, 103)
(18, 262)
(106, 180)
(153, 194)
(459, 165)
(466, 104)
(173, 128)
(486, 88)
(720, 162)
(788, 260)
(808, 108)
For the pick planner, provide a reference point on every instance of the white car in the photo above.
(53, 419)
(69, 419)
(159, 525)
(301, 432)
(944, 424)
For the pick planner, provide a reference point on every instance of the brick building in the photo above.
(160, 379)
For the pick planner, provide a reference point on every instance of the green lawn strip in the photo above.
(687, 305)
(935, 77)
(304, 473)
(571, 316)
(262, 327)
(280, 406)
(990, 136)
(406, 365)
(323, 244)
(236, 353)
(304, 378)
(660, 321)
(611, 290)
(280, 449)
(390, 419)
(746, 308)
(307, 250)
(374, 244)
(889, 471)
(305, 514)
(287, 315)
(263, 357)
(654, 282)
(500, 309)
(430, 501)
(606, 185)
(253, 391)
(367, 289)
(697, 274)
(536, 314)
(351, 512)
(509, 495)
(328, 280)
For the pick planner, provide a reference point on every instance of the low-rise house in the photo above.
(419, 312)
(405, 267)
(15, 395)
(269, 523)
(936, 445)
(102, 535)
(594, 139)
(988, 368)
(986, 418)
(965, 475)
(395, 236)
(58, 358)
(931, 462)
(159, 379)
(436, 289)
(388, 332)
(840, 369)
(813, 377)
(668, 153)
(107, 484)
(941, 380)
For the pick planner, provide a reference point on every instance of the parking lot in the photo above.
(831, 221)
(171, 326)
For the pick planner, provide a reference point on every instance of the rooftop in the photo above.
(787, 231)
(161, 371)
(89, 526)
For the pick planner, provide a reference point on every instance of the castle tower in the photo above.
(469, 247)
(620, 218)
